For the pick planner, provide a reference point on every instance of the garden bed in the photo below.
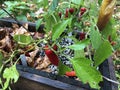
(39, 79)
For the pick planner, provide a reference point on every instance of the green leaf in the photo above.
(95, 38)
(93, 10)
(48, 24)
(78, 2)
(0, 81)
(99, 2)
(117, 46)
(86, 73)
(10, 73)
(14, 73)
(22, 18)
(45, 3)
(1, 59)
(54, 4)
(109, 29)
(22, 7)
(79, 53)
(6, 73)
(6, 84)
(102, 53)
(23, 39)
(50, 18)
(63, 68)
(2, 14)
(59, 28)
(38, 23)
(80, 46)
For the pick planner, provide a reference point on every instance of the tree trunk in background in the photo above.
(105, 13)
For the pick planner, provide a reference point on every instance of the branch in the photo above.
(12, 17)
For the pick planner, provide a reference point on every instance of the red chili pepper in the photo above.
(51, 55)
(82, 36)
(70, 74)
(113, 43)
(109, 38)
(55, 47)
(71, 10)
(81, 13)
(27, 54)
(66, 13)
(83, 9)
(60, 14)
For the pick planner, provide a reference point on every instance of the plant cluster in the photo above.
(75, 20)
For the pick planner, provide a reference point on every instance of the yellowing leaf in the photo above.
(10, 73)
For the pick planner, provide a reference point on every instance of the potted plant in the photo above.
(76, 40)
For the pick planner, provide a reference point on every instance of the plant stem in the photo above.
(89, 53)
(54, 18)
(110, 80)
(13, 17)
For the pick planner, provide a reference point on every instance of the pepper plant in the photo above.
(93, 25)
(83, 16)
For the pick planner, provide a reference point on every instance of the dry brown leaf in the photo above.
(38, 35)
(15, 26)
(29, 60)
(29, 48)
(33, 53)
(40, 11)
(5, 54)
(29, 17)
(46, 62)
(32, 6)
(117, 53)
(5, 41)
(47, 70)
(2, 43)
(20, 30)
(8, 46)
(39, 60)
(39, 67)
(3, 33)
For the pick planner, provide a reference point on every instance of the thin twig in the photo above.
(110, 80)
(13, 17)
